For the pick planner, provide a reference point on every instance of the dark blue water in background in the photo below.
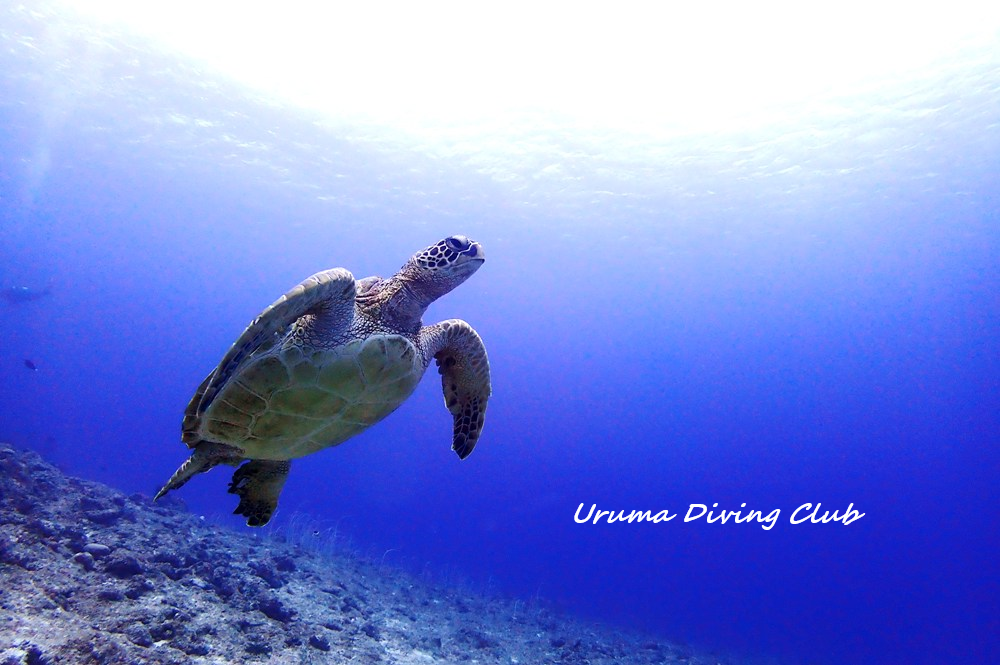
(805, 313)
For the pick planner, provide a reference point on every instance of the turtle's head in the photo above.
(455, 255)
(436, 270)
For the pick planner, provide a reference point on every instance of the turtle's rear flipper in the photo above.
(258, 483)
(206, 455)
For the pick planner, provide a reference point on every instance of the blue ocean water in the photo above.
(803, 312)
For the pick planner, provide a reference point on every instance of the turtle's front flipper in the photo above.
(258, 483)
(206, 455)
(465, 377)
(329, 295)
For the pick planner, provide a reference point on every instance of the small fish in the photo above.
(30, 365)
(22, 294)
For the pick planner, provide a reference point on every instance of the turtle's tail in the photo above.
(206, 455)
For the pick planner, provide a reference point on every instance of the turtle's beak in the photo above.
(470, 259)
(475, 252)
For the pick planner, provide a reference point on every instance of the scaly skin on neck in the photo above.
(399, 305)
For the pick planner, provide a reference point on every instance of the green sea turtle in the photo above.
(327, 360)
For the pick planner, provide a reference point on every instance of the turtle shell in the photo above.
(290, 400)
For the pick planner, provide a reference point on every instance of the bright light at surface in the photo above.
(689, 66)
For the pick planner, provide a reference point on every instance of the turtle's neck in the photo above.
(403, 304)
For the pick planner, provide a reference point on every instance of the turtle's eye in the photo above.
(458, 243)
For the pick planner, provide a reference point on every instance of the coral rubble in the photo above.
(88, 575)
